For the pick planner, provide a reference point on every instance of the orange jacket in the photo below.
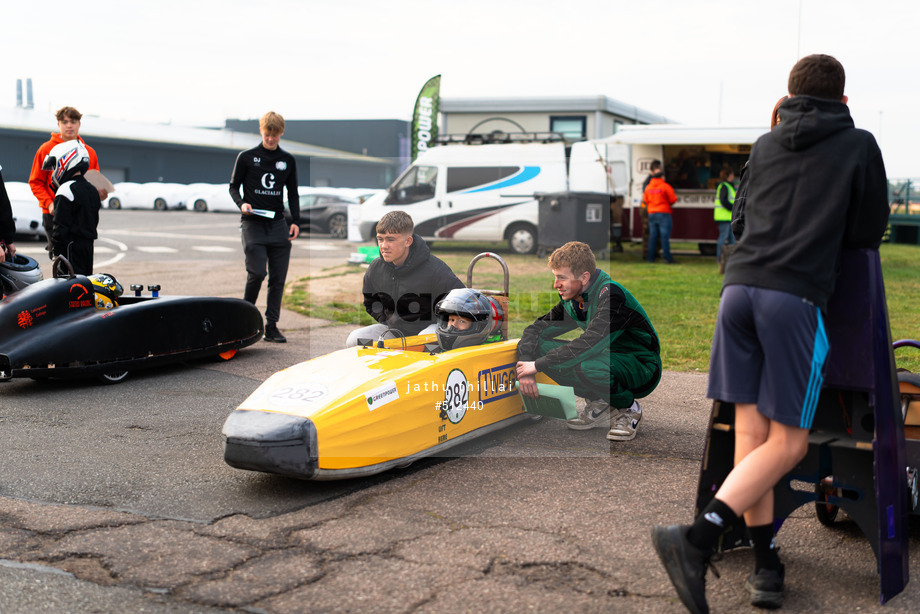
(40, 181)
(659, 196)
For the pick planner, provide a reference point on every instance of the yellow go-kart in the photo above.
(363, 410)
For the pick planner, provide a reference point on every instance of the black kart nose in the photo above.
(270, 442)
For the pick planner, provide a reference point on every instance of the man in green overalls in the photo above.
(617, 358)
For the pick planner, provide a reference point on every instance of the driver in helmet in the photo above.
(76, 205)
(107, 290)
(466, 318)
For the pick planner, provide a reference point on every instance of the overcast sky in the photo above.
(198, 62)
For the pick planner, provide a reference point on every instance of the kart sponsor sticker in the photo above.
(456, 396)
(298, 395)
(378, 397)
(27, 318)
(80, 297)
(24, 319)
(497, 383)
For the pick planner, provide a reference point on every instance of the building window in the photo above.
(571, 126)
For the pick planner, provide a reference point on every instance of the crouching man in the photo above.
(616, 359)
(402, 287)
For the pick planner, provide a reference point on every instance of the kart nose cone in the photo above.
(270, 442)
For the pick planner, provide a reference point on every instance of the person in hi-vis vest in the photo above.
(722, 212)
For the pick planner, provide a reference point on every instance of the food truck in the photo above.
(692, 157)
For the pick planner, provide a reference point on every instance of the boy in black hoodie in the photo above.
(402, 287)
(817, 184)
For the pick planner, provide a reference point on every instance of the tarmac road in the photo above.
(116, 498)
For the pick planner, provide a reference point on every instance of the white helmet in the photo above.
(66, 160)
(18, 272)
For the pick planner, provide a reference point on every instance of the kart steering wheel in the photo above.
(394, 333)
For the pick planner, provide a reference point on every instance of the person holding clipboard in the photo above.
(263, 172)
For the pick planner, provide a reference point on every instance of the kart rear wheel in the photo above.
(113, 377)
(826, 512)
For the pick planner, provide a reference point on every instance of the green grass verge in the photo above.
(681, 300)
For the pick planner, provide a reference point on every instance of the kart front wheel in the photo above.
(227, 355)
(113, 377)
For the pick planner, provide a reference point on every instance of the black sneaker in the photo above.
(685, 563)
(273, 334)
(766, 587)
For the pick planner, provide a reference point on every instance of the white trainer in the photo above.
(596, 414)
(625, 425)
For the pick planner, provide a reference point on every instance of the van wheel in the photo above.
(200, 204)
(522, 238)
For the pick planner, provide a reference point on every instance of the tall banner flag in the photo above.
(425, 117)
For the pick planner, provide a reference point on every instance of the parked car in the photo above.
(210, 197)
(28, 218)
(26, 212)
(155, 195)
(325, 210)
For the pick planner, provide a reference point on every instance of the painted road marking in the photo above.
(156, 249)
(213, 248)
(121, 247)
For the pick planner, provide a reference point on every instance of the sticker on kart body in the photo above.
(497, 383)
(456, 396)
(298, 395)
(379, 397)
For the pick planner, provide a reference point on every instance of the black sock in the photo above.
(765, 556)
(715, 519)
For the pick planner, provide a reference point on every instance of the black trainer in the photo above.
(273, 334)
(685, 563)
(766, 587)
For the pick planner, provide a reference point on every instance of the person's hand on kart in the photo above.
(526, 375)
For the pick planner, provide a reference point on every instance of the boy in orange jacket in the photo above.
(68, 119)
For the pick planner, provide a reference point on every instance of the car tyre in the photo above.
(200, 205)
(114, 203)
(338, 226)
(159, 204)
(522, 238)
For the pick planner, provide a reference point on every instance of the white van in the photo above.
(487, 192)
